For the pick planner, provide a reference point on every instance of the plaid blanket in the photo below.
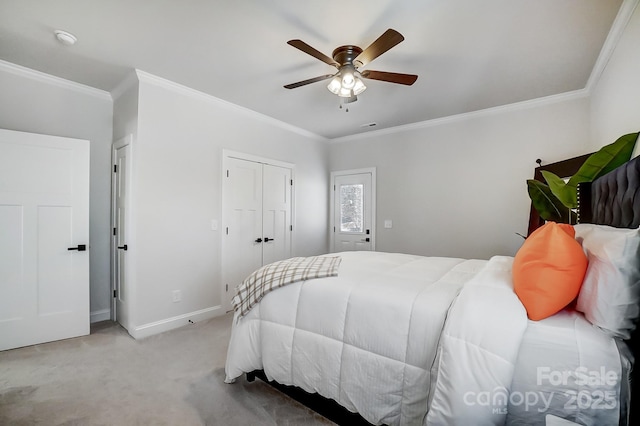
(279, 274)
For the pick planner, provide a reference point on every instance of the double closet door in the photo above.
(257, 218)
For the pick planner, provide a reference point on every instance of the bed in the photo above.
(411, 340)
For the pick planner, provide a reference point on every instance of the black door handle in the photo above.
(81, 247)
(267, 239)
(124, 247)
(258, 240)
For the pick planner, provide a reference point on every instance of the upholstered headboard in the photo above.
(612, 199)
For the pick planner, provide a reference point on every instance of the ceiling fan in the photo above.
(347, 82)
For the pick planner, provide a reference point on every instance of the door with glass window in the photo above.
(353, 210)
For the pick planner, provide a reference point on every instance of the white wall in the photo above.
(456, 187)
(177, 186)
(125, 108)
(38, 103)
(615, 101)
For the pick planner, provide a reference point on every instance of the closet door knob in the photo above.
(267, 239)
(258, 240)
(124, 247)
(81, 247)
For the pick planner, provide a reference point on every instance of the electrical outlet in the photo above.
(176, 296)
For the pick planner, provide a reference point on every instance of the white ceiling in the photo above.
(468, 54)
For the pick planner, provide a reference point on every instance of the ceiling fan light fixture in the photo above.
(358, 86)
(347, 83)
(348, 77)
(345, 92)
(335, 85)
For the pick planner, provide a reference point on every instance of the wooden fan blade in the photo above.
(311, 80)
(383, 43)
(299, 44)
(391, 77)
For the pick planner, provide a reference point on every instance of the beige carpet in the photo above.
(108, 378)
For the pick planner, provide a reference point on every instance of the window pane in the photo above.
(351, 203)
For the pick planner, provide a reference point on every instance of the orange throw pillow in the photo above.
(548, 270)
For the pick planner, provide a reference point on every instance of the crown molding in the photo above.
(32, 74)
(615, 33)
(518, 106)
(196, 94)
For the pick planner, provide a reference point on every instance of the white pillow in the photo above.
(610, 293)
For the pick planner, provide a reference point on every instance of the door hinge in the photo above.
(115, 294)
(334, 187)
(115, 168)
(114, 231)
(227, 230)
(227, 173)
(290, 227)
(226, 287)
(291, 182)
(334, 229)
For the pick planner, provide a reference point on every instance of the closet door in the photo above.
(256, 219)
(276, 213)
(242, 204)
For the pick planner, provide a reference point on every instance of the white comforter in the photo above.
(401, 339)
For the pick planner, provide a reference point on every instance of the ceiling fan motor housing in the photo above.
(345, 55)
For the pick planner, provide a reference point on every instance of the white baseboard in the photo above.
(150, 329)
(103, 315)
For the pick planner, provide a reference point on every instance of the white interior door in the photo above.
(44, 237)
(257, 204)
(276, 213)
(353, 210)
(121, 297)
(242, 202)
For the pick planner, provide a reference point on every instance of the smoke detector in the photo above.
(65, 37)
